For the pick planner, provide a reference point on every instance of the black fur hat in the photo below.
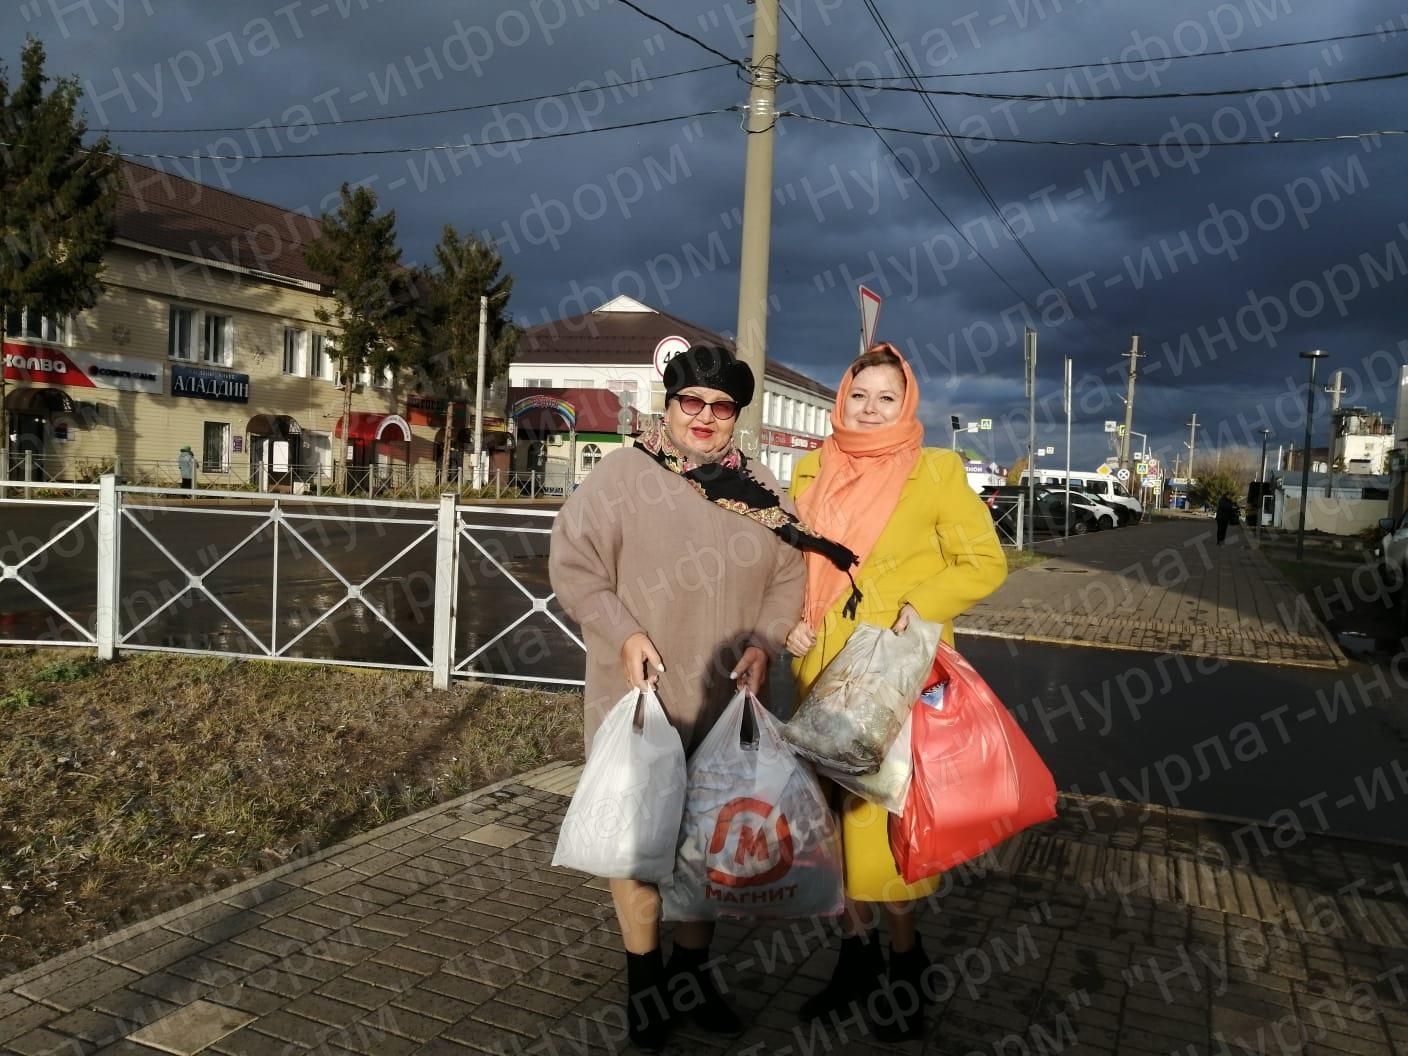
(710, 367)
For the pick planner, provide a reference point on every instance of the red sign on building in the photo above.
(778, 438)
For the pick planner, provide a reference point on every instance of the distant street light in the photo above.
(1314, 356)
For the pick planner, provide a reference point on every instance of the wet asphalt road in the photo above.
(1321, 744)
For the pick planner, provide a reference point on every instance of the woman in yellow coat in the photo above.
(925, 546)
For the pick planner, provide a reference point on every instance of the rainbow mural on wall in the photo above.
(540, 402)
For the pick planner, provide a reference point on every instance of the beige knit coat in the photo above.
(636, 548)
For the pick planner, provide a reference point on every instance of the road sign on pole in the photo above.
(985, 424)
(1111, 426)
(869, 316)
(1123, 473)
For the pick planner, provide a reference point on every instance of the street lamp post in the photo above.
(1315, 356)
(1261, 491)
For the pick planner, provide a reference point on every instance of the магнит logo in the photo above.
(759, 838)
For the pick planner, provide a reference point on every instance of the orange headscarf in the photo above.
(862, 474)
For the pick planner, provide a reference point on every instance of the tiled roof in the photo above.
(169, 212)
(603, 338)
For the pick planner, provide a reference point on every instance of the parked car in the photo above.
(1050, 511)
(1106, 488)
(1393, 551)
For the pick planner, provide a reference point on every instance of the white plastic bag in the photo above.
(624, 819)
(888, 787)
(758, 839)
(857, 705)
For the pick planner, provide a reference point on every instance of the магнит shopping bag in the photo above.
(977, 779)
(758, 839)
(624, 819)
(858, 703)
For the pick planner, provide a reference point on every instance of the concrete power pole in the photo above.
(1335, 390)
(1192, 443)
(479, 398)
(1134, 357)
(761, 117)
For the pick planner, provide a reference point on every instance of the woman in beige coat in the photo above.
(681, 564)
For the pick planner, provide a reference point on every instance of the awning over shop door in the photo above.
(368, 427)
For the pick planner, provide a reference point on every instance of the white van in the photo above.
(1110, 491)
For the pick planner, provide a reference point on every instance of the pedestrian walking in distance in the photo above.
(927, 548)
(680, 560)
(187, 461)
(1226, 515)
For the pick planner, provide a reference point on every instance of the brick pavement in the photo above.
(1113, 929)
(1159, 587)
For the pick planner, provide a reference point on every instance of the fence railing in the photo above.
(448, 588)
(45, 475)
(1009, 520)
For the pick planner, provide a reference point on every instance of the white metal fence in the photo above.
(453, 589)
(42, 474)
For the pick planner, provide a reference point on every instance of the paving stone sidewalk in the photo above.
(1162, 587)
(1113, 929)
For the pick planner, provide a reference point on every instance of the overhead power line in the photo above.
(424, 113)
(203, 156)
(962, 157)
(1275, 141)
(914, 177)
(686, 35)
(1148, 58)
(1078, 98)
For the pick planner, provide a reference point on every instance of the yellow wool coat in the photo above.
(939, 553)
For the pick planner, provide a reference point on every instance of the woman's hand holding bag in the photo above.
(624, 819)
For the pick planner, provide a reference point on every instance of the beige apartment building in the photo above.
(205, 336)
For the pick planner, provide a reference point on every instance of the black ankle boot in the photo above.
(692, 993)
(647, 1008)
(897, 1013)
(859, 971)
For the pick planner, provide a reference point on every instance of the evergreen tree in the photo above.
(58, 203)
(372, 308)
(465, 270)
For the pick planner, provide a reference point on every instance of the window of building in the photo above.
(295, 344)
(537, 383)
(579, 383)
(591, 455)
(26, 322)
(626, 390)
(215, 450)
(219, 346)
(784, 472)
(180, 334)
(318, 365)
(792, 414)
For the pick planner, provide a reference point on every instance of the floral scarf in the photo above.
(727, 483)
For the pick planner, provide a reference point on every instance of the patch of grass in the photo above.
(20, 699)
(1019, 559)
(147, 781)
(72, 670)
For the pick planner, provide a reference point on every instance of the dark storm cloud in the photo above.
(1226, 263)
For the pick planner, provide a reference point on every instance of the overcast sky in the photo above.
(1227, 262)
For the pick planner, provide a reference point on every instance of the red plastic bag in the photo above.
(977, 779)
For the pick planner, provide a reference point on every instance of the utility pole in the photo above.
(1029, 350)
(1315, 356)
(760, 120)
(1134, 357)
(1066, 399)
(1335, 390)
(1192, 443)
(479, 398)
